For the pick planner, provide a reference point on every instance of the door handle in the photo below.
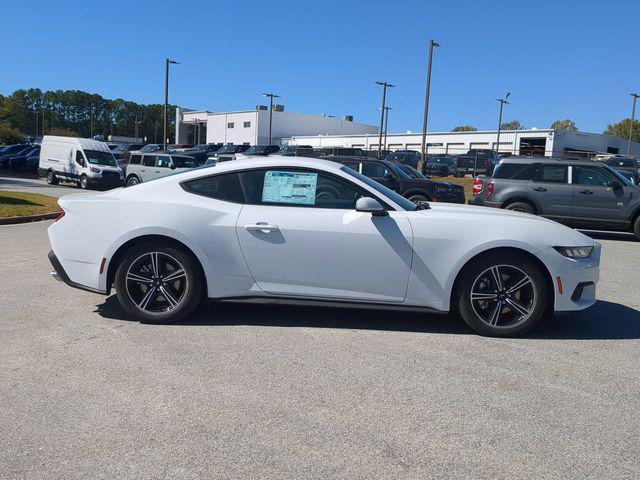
(586, 192)
(540, 189)
(261, 227)
(157, 171)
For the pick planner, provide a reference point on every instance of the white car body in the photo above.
(406, 258)
(68, 158)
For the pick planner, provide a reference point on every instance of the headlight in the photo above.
(574, 252)
(95, 170)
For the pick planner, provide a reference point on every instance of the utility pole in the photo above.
(423, 152)
(91, 121)
(271, 97)
(384, 85)
(503, 102)
(166, 99)
(633, 119)
(386, 124)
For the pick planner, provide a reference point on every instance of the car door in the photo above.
(551, 192)
(596, 203)
(163, 166)
(298, 239)
(147, 167)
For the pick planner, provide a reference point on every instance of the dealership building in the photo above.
(545, 142)
(251, 127)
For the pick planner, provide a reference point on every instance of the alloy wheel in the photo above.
(156, 283)
(503, 296)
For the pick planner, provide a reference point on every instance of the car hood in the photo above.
(494, 224)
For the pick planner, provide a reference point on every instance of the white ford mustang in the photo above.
(308, 230)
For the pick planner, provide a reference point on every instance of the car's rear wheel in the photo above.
(523, 207)
(636, 227)
(502, 295)
(132, 180)
(158, 283)
(51, 178)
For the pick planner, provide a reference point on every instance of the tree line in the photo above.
(32, 113)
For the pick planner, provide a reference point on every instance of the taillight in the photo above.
(490, 188)
(477, 186)
(59, 216)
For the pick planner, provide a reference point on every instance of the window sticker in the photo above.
(290, 187)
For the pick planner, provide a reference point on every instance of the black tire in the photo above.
(418, 198)
(84, 182)
(132, 180)
(51, 178)
(523, 207)
(636, 227)
(183, 294)
(501, 317)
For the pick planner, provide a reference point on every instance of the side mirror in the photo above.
(172, 166)
(370, 205)
(615, 184)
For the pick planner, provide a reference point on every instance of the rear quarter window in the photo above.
(514, 171)
(224, 187)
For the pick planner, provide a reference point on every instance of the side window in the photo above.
(514, 171)
(591, 176)
(163, 161)
(149, 160)
(221, 187)
(135, 159)
(299, 188)
(353, 165)
(80, 158)
(374, 169)
(552, 174)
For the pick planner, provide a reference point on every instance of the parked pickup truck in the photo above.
(476, 162)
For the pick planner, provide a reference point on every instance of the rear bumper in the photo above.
(58, 273)
(481, 202)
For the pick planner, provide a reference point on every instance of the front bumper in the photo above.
(574, 281)
(58, 273)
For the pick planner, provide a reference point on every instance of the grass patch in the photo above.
(20, 204)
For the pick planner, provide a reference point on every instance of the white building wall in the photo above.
(590, 142)
(449, 142)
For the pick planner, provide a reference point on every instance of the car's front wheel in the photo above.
(132, 180)
(84, 182)
(158, 283)
(522, 207)
(51, 178)
(502, 295)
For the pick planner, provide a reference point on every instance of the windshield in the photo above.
(96, 157)
(149, 148)
(227, 149)
(390, 194)
(412, 172)
(625, 181)
(184, 162)
(397, 170)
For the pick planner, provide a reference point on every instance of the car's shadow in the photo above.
(604, 321)
(603, 235)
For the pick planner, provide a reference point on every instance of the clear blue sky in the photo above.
(576, 59)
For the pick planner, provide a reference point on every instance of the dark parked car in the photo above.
(340, 151)
(441, 165)
(392, 176)
(409, 157)
(629, 167)
(412, 172)
(201, 152)
(11, 150)
(578, 193)
(26, 161)
(476, 162)
(228, 152)
(296, 151)
(260, 151)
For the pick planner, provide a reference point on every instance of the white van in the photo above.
(80, 160)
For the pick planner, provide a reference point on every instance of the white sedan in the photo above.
(308, 230)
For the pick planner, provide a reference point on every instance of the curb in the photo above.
(28, 218)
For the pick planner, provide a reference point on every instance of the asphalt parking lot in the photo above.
(246, 391)
(12, 183)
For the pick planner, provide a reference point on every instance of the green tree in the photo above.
(621, 129)
(9, 135)
(512, 125)
(566, 125)
(464, 128)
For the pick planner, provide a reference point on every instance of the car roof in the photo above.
(546, 160)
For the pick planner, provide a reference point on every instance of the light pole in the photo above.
(166, 98)
(503, 102)
(423, 152)
(91, 121)
(271, 97)
(385, 85)
(386, 124)
(633, 119)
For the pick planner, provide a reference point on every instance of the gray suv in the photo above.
(578, 193)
